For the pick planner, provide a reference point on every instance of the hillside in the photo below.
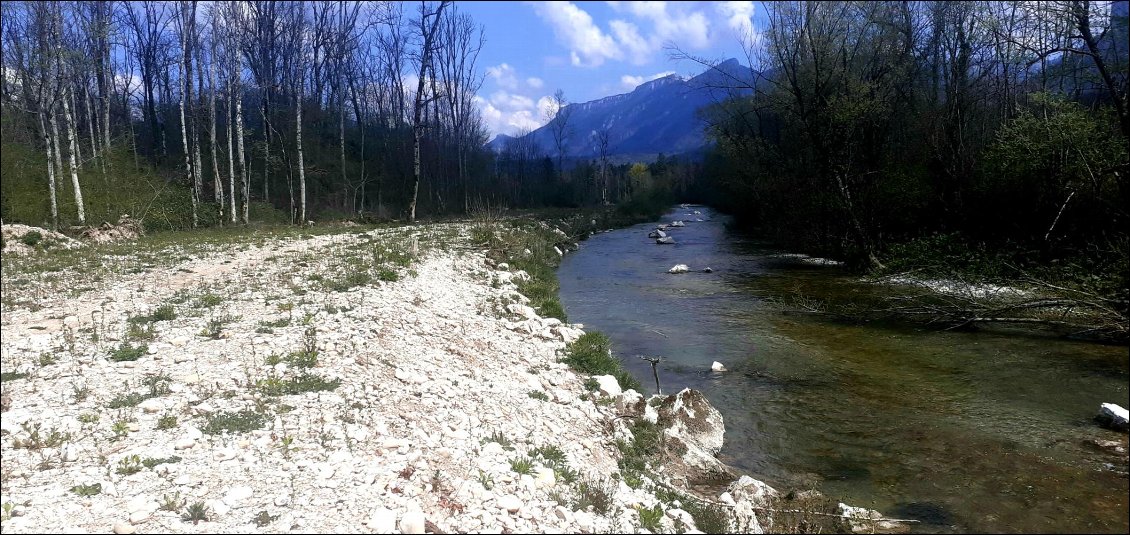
(656, 117)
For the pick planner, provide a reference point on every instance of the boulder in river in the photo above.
(707, 270)
(679, 268)
(694, 430)
(717, 366)
(1112, 416)
(657, 234)
(678, 224)
(666, 240)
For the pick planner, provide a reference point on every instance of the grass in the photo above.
(552, 456)
(592, 354)
(151, 462)
(162, 313)
(128, 352)
(167, 421)
(522, 465)
(37, 439)
(195, 513)
(595, 493)
(234, 422)
(208, 300)
(307, 382)
(12, 376)
(130, 465)
(299, 359)
(538, 395)
(215, 327)
(157, 385)
(650, 517)
(501, 439)
(88, 490)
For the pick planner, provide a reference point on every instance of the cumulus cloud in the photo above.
(588, 45)
(738, 15)
(504, 75)
(631, 82)
(534, 82)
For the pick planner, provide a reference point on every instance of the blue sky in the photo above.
(591, 50)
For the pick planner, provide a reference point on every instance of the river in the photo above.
(965, 431)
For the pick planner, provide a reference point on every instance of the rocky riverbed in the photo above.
(377, 381)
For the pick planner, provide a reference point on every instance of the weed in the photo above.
(538, 395)
(208, 300)
(263, 518)
(11, 376)
(351, 280)
(171, 502)
(566, 474)
(215, 327)
(501, 439)
(551, 455)
(486, 480)
(387, 275)
(522, 465)
(195, 513)
(162, 313)
(81, 392)
(37, 440)
(595, 493)
(87, 491)
(167, 421)
(127, 352)
(139, 333)
(650, 517)
(32, 238)
(88, 418)
(592, 354)
(306, 382)
(47, 359)
(151, 462)
(130, 465)
(591, 384)
(120, 429)
(234, 422)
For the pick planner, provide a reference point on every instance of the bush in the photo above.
(592, 354)
(32, 238)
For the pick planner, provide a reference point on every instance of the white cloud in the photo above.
(588, 45)
(739, 16)
(534, 82)
(504, 75)
(630, 82)
(629, 36)
(509, 113)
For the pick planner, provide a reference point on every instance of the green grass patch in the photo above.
(162, 313)
(243, 421)
(592, 354)
(301, 384)
(128, 352)
(11, 376)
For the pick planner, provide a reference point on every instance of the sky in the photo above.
(591, 50)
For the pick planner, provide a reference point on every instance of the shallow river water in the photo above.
(965, 431)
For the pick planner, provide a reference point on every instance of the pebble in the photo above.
(412, 522)
(382, 520)
(124, 528)
(510, 503)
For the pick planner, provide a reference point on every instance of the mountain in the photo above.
(659, 116)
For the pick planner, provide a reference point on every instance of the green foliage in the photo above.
(307, 382)
(538, 395)
(37, 439)
(12, 376)
(87, 490)
(127, 352)
(650, 517)
(151, 462)
(195, 513)
(127, 466)
(31, 238)
(592, 354)
(162, 313)
(522, 465)
(167, 421)
(234, 422)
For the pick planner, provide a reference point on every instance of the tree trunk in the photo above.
(231, 155)
(74, 164)
(217, 180)
(50, 173)
(242, 153)
(298, 142)
(183, 66)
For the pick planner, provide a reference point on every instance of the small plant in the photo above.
(151, 462)
(47, 359)
(566, 474)
(538, 395)
(32, 238)
(130, 465)
(486, 480)
(121, 401)
(127, 352)
(162, 313)
(196, 513)
(215, 327)
(551, 455)
(263, 518)
(650, 517)
(81, 392)
(166, 421)
(306, 382)
(138, 332)
(593, 493)
(120, 429)
(522, 466)
(208, 300)
(171, 502)
(501, 439)
(285, 446)
(87, 491)
(387, 275)
(234, 422)
(88, 418)
(11, 376)
(37, 440)
(591, 384)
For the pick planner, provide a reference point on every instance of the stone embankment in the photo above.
(269, 387)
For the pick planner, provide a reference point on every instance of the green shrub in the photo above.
(32, 238)
(591, 354)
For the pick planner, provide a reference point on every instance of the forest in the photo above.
(193, 114)
(990, 137)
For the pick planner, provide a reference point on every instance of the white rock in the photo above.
(717, 366)
(679, 268)
(382, 520)
(152, 405)
(510, 503)
(236, 495)
(608, 385)
(544, 478)
(124, 528)
(219, 507)
(1113, 416)
(141, 503)
(726, 498)
(184, 444)
(412, 522)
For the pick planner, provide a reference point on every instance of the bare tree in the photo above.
(559, 126)
(427, 26)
